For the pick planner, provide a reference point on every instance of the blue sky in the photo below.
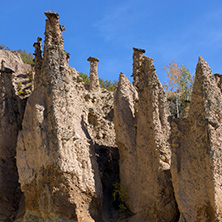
(173, 30)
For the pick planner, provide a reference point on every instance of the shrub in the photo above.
(120, 196)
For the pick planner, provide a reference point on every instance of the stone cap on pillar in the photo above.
(139, 50)
(50, 14)
(36, 44)
(39, 39)
(92, 59)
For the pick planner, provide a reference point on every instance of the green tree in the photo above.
(180, 85)
(186, 83)
(102, 83)
(27, 58)
(107, 84)
(84, 77)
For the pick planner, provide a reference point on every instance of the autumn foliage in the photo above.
(179, 85)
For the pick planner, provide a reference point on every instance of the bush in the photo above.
(120, 196)
(27, 58)
(107, 84)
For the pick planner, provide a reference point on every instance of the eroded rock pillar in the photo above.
(142, 124)
(196, 145)
(38, 61)
(94, 79)
(125, 97)
(137, 65)
(155, 193)
(57, 166)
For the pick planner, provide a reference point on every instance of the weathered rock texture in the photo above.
(101, 133)
(11, 114)
(125, 125)
(67, 159)
(137, 65)
(38, 62)
(21, 81)
(55, 155)
(94, 79)
(196, 144)
(147, 151)
(13, 61)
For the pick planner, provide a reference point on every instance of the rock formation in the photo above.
(21, 81)
(66, 146)
(125, 125)
(196, 144)
(38, 62)
(11, 114)
(137, 65)
(55, 157)
(13, 61)
(94, 79)
(147, 151)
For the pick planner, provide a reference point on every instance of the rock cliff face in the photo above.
(11, 114)
(196, 144)
(56, 161)
(13, 61)
(142, 135)
(21, 81)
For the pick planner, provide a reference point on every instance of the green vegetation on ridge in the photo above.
(27, 58)
(107, 84)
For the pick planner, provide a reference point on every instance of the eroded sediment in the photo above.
(57, 167)
(93, 75)
(11, 114)
(196, 144)
(150, 191)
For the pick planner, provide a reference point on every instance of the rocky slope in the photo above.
(23, 73)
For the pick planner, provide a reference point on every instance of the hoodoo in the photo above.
(57, 169)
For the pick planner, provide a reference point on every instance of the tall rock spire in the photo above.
(137, 65)
(145, 144)
(37, 62)
(196, 145)
(94, 79)
(57, 166)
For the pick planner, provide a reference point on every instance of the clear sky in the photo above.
(169, 30)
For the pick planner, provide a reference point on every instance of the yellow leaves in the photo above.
(174, 75)
(180, 83)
